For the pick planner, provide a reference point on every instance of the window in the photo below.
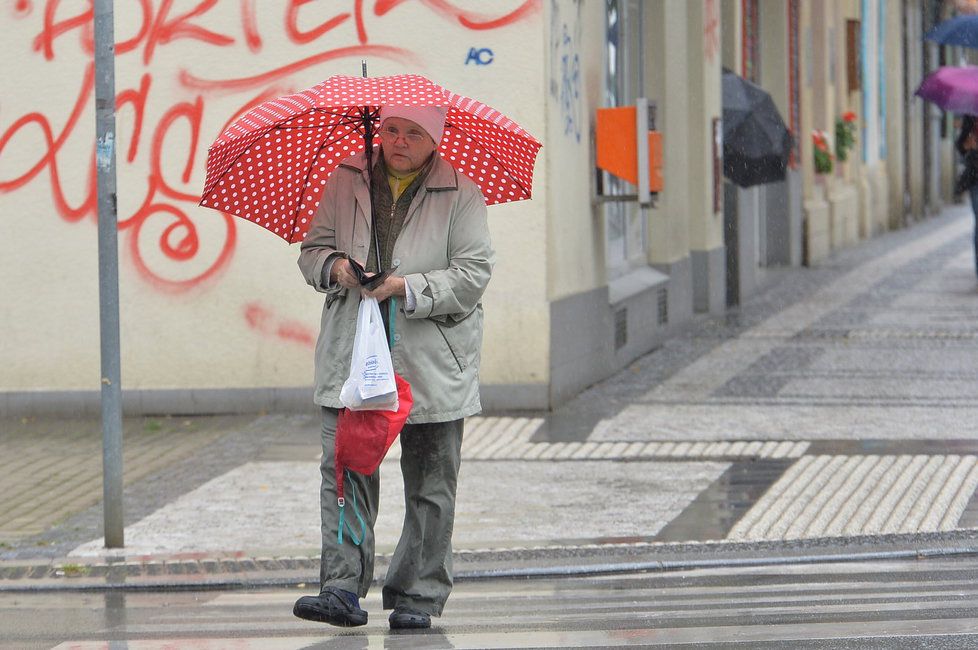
(626, 234)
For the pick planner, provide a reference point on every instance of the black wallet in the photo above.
(368, 281)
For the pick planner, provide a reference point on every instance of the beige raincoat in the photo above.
(444, 253)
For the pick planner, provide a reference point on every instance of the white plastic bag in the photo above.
(371, 384)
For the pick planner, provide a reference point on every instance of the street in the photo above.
(798, 474)
(909, 604)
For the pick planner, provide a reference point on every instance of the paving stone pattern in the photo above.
(51, 469)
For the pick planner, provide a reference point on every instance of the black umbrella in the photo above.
(756, 141)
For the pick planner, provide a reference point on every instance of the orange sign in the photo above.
(617, 147)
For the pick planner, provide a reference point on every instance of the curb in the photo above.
(234, 571)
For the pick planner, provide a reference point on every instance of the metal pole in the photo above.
(108, 273)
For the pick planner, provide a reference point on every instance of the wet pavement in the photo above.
(834, 413)
(884, 605)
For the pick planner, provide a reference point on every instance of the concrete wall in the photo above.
(210, 302)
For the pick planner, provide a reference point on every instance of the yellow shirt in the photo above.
(400, 183)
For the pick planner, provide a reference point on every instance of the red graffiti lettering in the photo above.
(178, 242)
(361, 25)
(302, 37)
(137, 98)
(54, 28)
(262, 319)
(296, 332)
(711, 30)
(252, 37)
(194, 114)
(49, 157)
(192, 81)
(470, 20)
(133, 43)
(162, 136)
(165, 30)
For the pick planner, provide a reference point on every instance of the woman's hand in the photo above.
(392, 286)
(342, 274)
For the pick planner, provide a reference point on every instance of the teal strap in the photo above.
(356, 511)
(391, 315)
(339, 531)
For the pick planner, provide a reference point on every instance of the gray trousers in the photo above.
(420, 573)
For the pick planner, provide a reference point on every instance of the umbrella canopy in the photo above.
(953, 88)
(756, 141)
(960, 30)
(271, 164)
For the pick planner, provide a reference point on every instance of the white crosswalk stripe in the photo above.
(881, 605)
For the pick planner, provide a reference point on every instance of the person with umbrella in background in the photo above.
(955, 89)
(432, 237)
(967, 145)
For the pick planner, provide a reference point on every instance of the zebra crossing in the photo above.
(931, 603)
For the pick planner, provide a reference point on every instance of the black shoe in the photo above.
(333, 606)
(405, 618)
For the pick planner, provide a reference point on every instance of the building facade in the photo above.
(215, 316)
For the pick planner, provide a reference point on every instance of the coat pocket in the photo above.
(457, 353)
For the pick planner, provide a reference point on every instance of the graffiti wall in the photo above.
(209, 300)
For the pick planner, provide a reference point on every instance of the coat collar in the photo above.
(442, 176)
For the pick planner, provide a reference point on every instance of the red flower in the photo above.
(848, 116)
(820, 140)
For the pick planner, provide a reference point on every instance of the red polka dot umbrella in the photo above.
(271, 164)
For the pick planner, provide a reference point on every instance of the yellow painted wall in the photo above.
(704, 60)
(669, 228)
(575, 69)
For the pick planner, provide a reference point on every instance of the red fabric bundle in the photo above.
(363, 437)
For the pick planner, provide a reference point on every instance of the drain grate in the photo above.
(621, 328)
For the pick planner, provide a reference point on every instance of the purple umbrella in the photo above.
(954, 89)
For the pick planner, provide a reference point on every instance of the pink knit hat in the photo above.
(429, 118)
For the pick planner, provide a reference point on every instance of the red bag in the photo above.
(362, 441)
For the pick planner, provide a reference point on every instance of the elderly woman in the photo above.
(433, 236)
